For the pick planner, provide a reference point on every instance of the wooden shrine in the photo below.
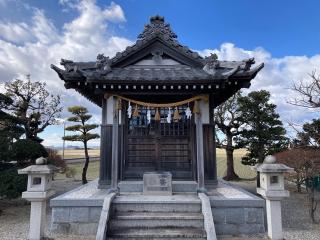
(157, 99)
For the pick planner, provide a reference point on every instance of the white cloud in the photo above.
(31, 48)
(80, 39)
(276, 77)
(15, 32)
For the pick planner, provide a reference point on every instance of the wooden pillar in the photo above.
(115, 144)
(200, 156)
(210, 146)
(105, 159)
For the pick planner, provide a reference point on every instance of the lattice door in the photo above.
(159, 145)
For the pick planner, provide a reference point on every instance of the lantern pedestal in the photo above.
(38, 191)
(272, 189)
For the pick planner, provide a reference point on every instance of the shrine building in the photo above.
(157, 100)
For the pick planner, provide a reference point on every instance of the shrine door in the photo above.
(159, 145)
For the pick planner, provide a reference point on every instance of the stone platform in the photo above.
(235, 211)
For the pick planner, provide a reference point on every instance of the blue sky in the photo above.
(286, 27)
(283, 34)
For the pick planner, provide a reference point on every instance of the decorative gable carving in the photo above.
(157, 26)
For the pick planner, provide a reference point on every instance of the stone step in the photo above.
(156, 219)
(140, 203)
(177, 186)
(157, 207)
(157, 234)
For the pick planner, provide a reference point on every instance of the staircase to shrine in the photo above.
(156, 217)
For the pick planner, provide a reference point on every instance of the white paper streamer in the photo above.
(129, 111)
(188, 113)
(169, 116)
(149, 116)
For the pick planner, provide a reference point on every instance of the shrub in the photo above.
(27, 151)
(55, 159)
(71, 172)
(4, 148)
(11, 184)
(305, 161)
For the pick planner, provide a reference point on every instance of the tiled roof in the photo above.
(197, 69)
(146, 73)
(157, 28)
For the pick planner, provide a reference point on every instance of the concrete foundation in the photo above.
(235, 211)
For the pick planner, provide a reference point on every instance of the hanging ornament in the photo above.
(148, 116)
(196, 109)
(176, 115)
(136, 111)
(188, 113)
(129, 111)
(169, 116)
(157, 115)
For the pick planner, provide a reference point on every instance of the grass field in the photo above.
(242, 170)
(77, 153)
(93, 171)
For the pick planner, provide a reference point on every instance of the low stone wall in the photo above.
(238, 220)
(78, 211)
(237, 212)
(75, 220)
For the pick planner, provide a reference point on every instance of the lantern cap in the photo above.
(272, 168)
(38, 169)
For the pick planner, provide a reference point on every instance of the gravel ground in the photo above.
(14, 220)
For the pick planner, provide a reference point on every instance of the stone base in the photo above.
(235, 211)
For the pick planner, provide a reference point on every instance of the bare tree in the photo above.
(306, 164)
(309, 92)
(226, 116)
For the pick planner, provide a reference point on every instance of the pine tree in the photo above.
(81, 116)
(263, 132)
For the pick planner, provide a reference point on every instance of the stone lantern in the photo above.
(272, 189)
(38, 191)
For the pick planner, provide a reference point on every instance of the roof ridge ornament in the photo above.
(157, 27)
(103, 63)
(211, 63)
(69, 65)
(248, 63)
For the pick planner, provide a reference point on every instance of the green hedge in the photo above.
(11, 184)
(25, 151)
